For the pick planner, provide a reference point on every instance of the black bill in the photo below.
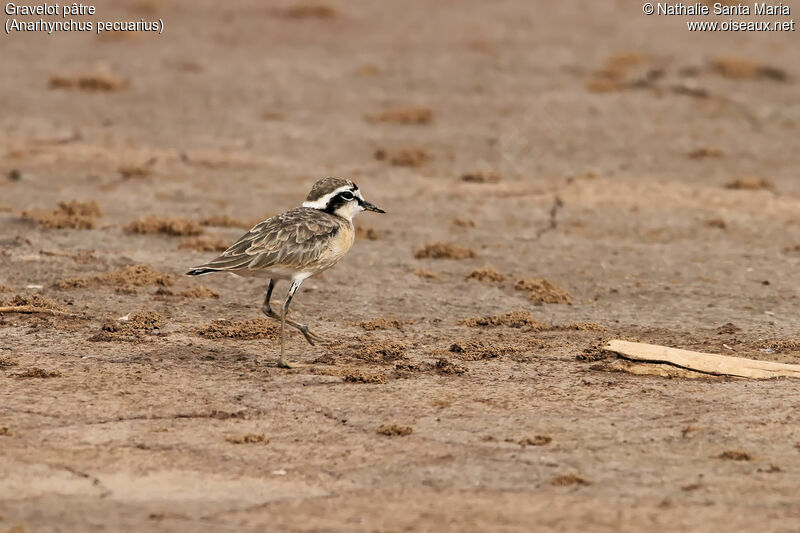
(370, 207)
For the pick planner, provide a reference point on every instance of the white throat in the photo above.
(349, 210)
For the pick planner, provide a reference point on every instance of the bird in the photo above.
(295, 245)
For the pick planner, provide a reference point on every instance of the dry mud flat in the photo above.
(547, 190)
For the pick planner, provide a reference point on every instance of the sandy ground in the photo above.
(649, 175)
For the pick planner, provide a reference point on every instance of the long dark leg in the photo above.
(285, 309)
(310, 336)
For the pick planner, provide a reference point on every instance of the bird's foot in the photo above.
(313, 337)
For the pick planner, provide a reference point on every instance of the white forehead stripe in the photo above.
(322, 203)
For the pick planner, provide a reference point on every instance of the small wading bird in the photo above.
(296, 244)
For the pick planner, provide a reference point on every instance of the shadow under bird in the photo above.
(296, 245)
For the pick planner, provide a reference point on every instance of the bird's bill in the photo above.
(370, 207)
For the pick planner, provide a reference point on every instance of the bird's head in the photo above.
(340, 197)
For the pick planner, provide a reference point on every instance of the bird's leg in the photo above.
(310, 336)
(282, 361)
(285, 309)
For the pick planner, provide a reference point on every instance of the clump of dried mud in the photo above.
(579, 326)
(595, 352)
(442, 250)
(204, 244)
(744, 69)
(249, 438)
(463, 223)
(749, 184)
(536, 440)
(407, 157)
(486, 275)
(134, 329)
(728, 328)
(31, 301)
(408, 115)
(615, 74)
(225, 221)
(481, 176)
(380, 351)
(476, 350)
(38, 373)
(512, 319)
(426, 274)
(101, 80)
(357, 376)
(366, 349)
(175, 227)
(781, 346)
(543, 291)
(367, 233)
(69, 215)
(394, 430)
(128, 172)
(255, 328)
(735, 455)
(445, 366)
(383, 323)
(272, 115)
(126, 279)
(5, 288)
(566, 480)
(6, 362)
(198, 291)
(705, 151)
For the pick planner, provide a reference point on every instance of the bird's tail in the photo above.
(199, 271)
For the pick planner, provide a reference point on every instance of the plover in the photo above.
(296, 245)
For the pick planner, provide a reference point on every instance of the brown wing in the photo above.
(293, 239)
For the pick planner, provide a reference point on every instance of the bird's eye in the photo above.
(347, 195)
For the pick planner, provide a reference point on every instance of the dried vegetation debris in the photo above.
(100, 79)
(358, 376)
(404, 115)
(383, 323)
(543, 291)
(133, 328)
(511, 319)
(566, 480)
(197, 291)
(442, 250)
(38, 373)
(226, 221)
(254, 328)
(72, 214)
(478, 350)
(248, 438)
(31, 302)
(405, 157)
(173, 226)
(126, 278)
(750, 183)
(204, 243)
(486, 275)
(481, 176)
(738, 68)
(394, 430)
(536, 440)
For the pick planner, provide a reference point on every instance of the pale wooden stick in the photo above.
(721, 365)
